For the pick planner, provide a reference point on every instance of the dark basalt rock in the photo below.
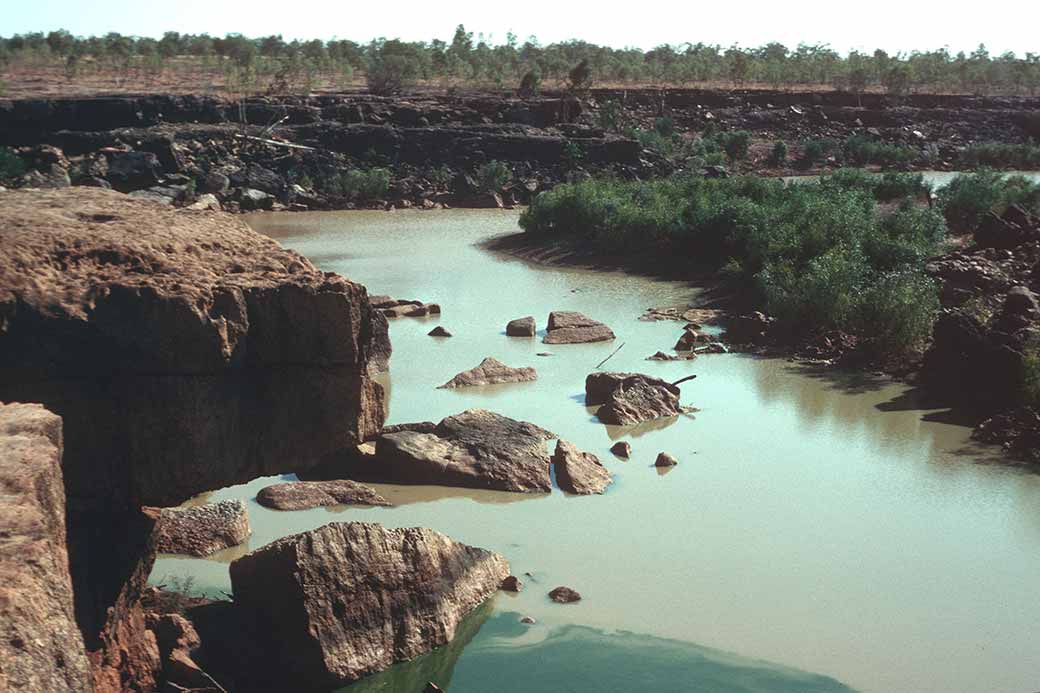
(564, 595)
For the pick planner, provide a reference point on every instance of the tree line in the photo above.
(270, 61)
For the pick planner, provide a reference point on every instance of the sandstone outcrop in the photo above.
(491, 371)
(202, 529)
(339, 602)
(630, 398)
(41, 648)
(184, 352)
(577, 471)
(521, 327)
(564, 595)
(472, 449)
(567, 327)
(301, 495)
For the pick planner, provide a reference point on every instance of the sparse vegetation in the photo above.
(969, 197)
(361, 185)
(11, 165)
(493, 176)
(1000, 155)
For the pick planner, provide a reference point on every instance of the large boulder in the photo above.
(129, 171)
(184, 352)
(577, 471)
(521, 327)
(631, 398)
(473, 449)
(491, 371)
(566, 327)
(334, 604)
(202, 529)
(41, 648)
(300, 495)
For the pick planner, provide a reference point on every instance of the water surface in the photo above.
(822, 532)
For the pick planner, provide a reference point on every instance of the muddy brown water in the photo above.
(822, 532)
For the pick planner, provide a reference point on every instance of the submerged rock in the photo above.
(512, 584)
(661, 356)
(630, 398)
(300, 495)
(622, 449)
(473, 449)
(567, 327)
(334, 604)
(577, 471)
(491, 371)
(202, 529)
(665, 460)
(564, 595)
(521, 327)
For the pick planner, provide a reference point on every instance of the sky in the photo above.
(893, 25)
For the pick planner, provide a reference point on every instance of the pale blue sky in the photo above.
(865, 24)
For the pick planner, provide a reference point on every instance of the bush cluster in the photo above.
(970, 197)
(492, 176)
(999, 155)
(359, 184)
(11, 165)
(820, 255)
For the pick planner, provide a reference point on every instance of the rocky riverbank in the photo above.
(435, 150)
(183, 352)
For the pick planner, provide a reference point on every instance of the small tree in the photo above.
(530, 84)
(580, 78)
(492, 176)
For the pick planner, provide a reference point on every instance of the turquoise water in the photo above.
(816, 523)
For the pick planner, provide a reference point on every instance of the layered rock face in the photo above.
(336, 603)
(184, 352)
(41, 648)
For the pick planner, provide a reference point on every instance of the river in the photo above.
(822, 531)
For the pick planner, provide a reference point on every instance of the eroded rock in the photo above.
(521, 327)
(202, 529)
(665, 460)
(438, 332)
(637, 398)
(41, 648)
(490, 372)
(300, 495)
(567, 327)
(622, 449)
(345, 600)
(564, 595)
(473, 449)
(577, 471)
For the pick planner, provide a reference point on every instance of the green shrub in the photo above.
(821, 255)
(492, 176)
(1030, 378)
(611, 117)
(969, 197)
(815, 151)
(1000, 155)
(778, 156)
(735, 143)
(357, 184)
(11, 165)
(884, 187)
(664, 126)
(862, 150)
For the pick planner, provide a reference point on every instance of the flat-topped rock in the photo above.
(334, 604)
(568, 327)
(473, 449)
(203, 529)
(301, 495)
(490, 372)
(521, 327)
(577, 471)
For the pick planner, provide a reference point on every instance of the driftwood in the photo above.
(611, 355)
(276, 143)
(683, 380)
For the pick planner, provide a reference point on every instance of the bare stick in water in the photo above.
(611, 355)
(683, 380)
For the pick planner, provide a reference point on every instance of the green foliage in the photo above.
(573, 153)
(885, 187)
(611, 117)
(815, 151)
(11, 165)
(998, 155)
(735, 143)
(372, 184)
(822, 255)
(492, 176)
(778, 155)
(664, 126)
(969, 197)
(862, 150)
(392, 67)
(530, 84)
(1030, 377)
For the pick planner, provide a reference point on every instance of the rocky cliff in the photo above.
(41, 648)
(184, 352)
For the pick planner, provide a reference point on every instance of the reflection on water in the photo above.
(510, 657)
(830, 522)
